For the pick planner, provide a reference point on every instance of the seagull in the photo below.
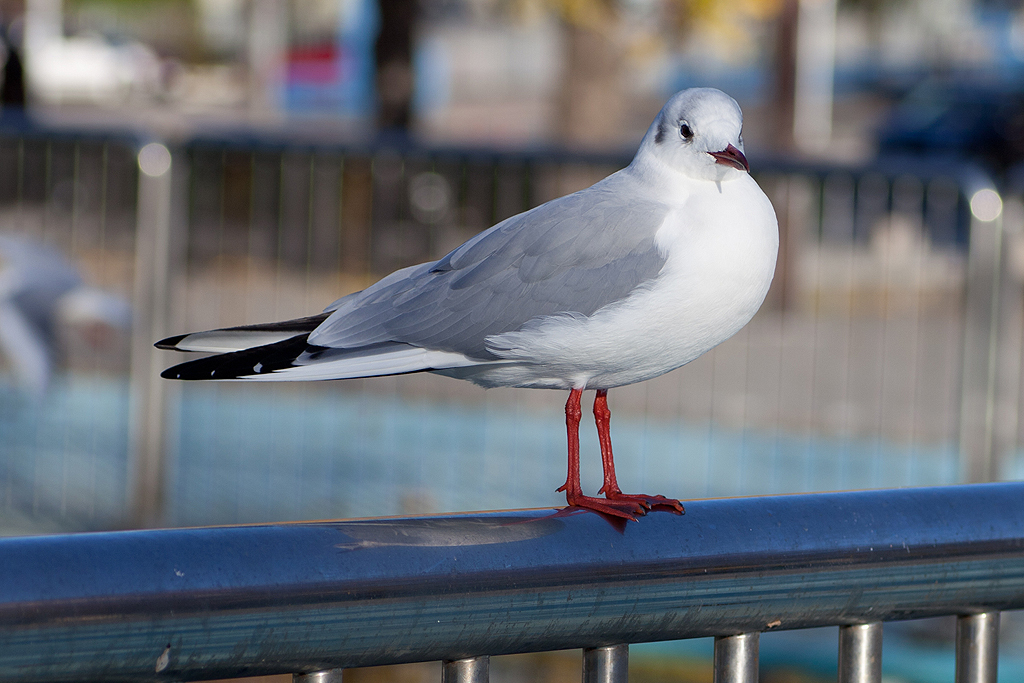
(39, 290)
(618, 283)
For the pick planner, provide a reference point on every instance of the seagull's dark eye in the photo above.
(685, 130)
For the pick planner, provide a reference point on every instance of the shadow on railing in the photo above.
(314, 598)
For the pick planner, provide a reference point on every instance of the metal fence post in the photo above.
(1011, 336)
(860, 653)
(326, 676)
(606, 664)
(736, 658)
(977, 647)
(985, 283)
(471, 670)
(155, 259)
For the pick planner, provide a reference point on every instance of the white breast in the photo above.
(721, 244)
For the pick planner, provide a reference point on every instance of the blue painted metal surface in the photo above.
(193, 604)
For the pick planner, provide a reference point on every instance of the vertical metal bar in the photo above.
(471, 670)
(986, 277)
(76, 183)
(282, 185)
(977, 647)
(47, 188)
(21, 179)
(1010, 361)
(326, 676)
(860, 653)
(154, 270)
(736, 658)
(606, 664)
(104, 175)
(310, 230)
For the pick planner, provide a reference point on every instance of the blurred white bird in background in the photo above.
(41, 290)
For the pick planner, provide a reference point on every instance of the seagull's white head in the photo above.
(699, 134)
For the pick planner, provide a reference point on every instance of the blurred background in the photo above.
(174, 165)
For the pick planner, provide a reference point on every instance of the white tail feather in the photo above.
(390, 362)
(226, 341)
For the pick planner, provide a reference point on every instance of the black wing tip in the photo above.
(171, 343)
(296, 325)
(172, 372)
(260, 360)
(198, 370)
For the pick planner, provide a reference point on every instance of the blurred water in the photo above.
(246, 455)
(63, 456)
(283, 453)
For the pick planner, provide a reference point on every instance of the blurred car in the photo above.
(981, 121)
(91, 69)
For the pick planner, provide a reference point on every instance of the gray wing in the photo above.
(574, 254)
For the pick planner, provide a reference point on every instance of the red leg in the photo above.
(603, 420)
(573, 489)
(611, 490)
(573, 414)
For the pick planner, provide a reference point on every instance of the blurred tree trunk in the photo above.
(394, 64)
(590, 99)
(12, 90)
(267, 55)
(785, 75)
(785, 195)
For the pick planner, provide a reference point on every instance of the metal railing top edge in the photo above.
(407, 147)
(278, 598)
(42, 131)
(966, 173)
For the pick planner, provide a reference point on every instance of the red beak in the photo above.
(730, 156)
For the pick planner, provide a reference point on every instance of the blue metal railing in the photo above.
(193, 604)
